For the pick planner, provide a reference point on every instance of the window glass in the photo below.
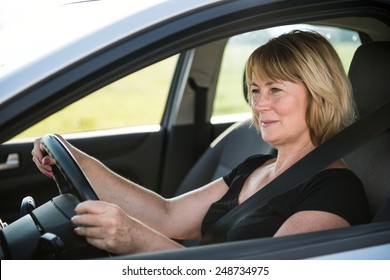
(230, 104)
(137, 99)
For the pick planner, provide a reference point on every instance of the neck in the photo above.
(289, 156)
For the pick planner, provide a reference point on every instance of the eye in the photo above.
(255, 91)
(275, 90)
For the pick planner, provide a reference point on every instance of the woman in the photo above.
(300, 97)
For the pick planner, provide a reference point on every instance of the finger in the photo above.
(42, 166)
(92, 207)
(89, 213)
(45, 169)
(41, 160)
(90, 232)
(87, 220)
(48, 160)
(36, 151)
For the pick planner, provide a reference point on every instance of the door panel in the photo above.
(136, 156)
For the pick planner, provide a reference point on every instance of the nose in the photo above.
(260, 102)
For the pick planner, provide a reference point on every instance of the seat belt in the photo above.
(340, 145)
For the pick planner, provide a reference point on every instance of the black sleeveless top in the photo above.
(337, 191)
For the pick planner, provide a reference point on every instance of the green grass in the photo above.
(133, 100)
(229, 96)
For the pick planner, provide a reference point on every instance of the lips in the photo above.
(267, 123)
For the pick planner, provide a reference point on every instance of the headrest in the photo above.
(245, 88)
(370, 75)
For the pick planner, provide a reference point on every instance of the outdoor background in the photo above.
(139, 99)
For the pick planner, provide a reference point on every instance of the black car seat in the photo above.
(371, 86)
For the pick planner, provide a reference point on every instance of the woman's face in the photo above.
(280, 109)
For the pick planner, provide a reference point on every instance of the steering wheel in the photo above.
(46, 232)
(67, 173)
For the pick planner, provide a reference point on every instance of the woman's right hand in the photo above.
(41, 159)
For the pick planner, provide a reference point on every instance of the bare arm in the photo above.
(178, 218)
(309, 221)
(110, 228)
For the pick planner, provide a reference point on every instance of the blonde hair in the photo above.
(307, 57)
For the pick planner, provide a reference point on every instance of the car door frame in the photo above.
(135, 52)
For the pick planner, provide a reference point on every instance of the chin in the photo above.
(270, 140)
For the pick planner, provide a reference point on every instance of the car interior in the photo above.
(367, 74)
(370, 162)
(211, 150)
